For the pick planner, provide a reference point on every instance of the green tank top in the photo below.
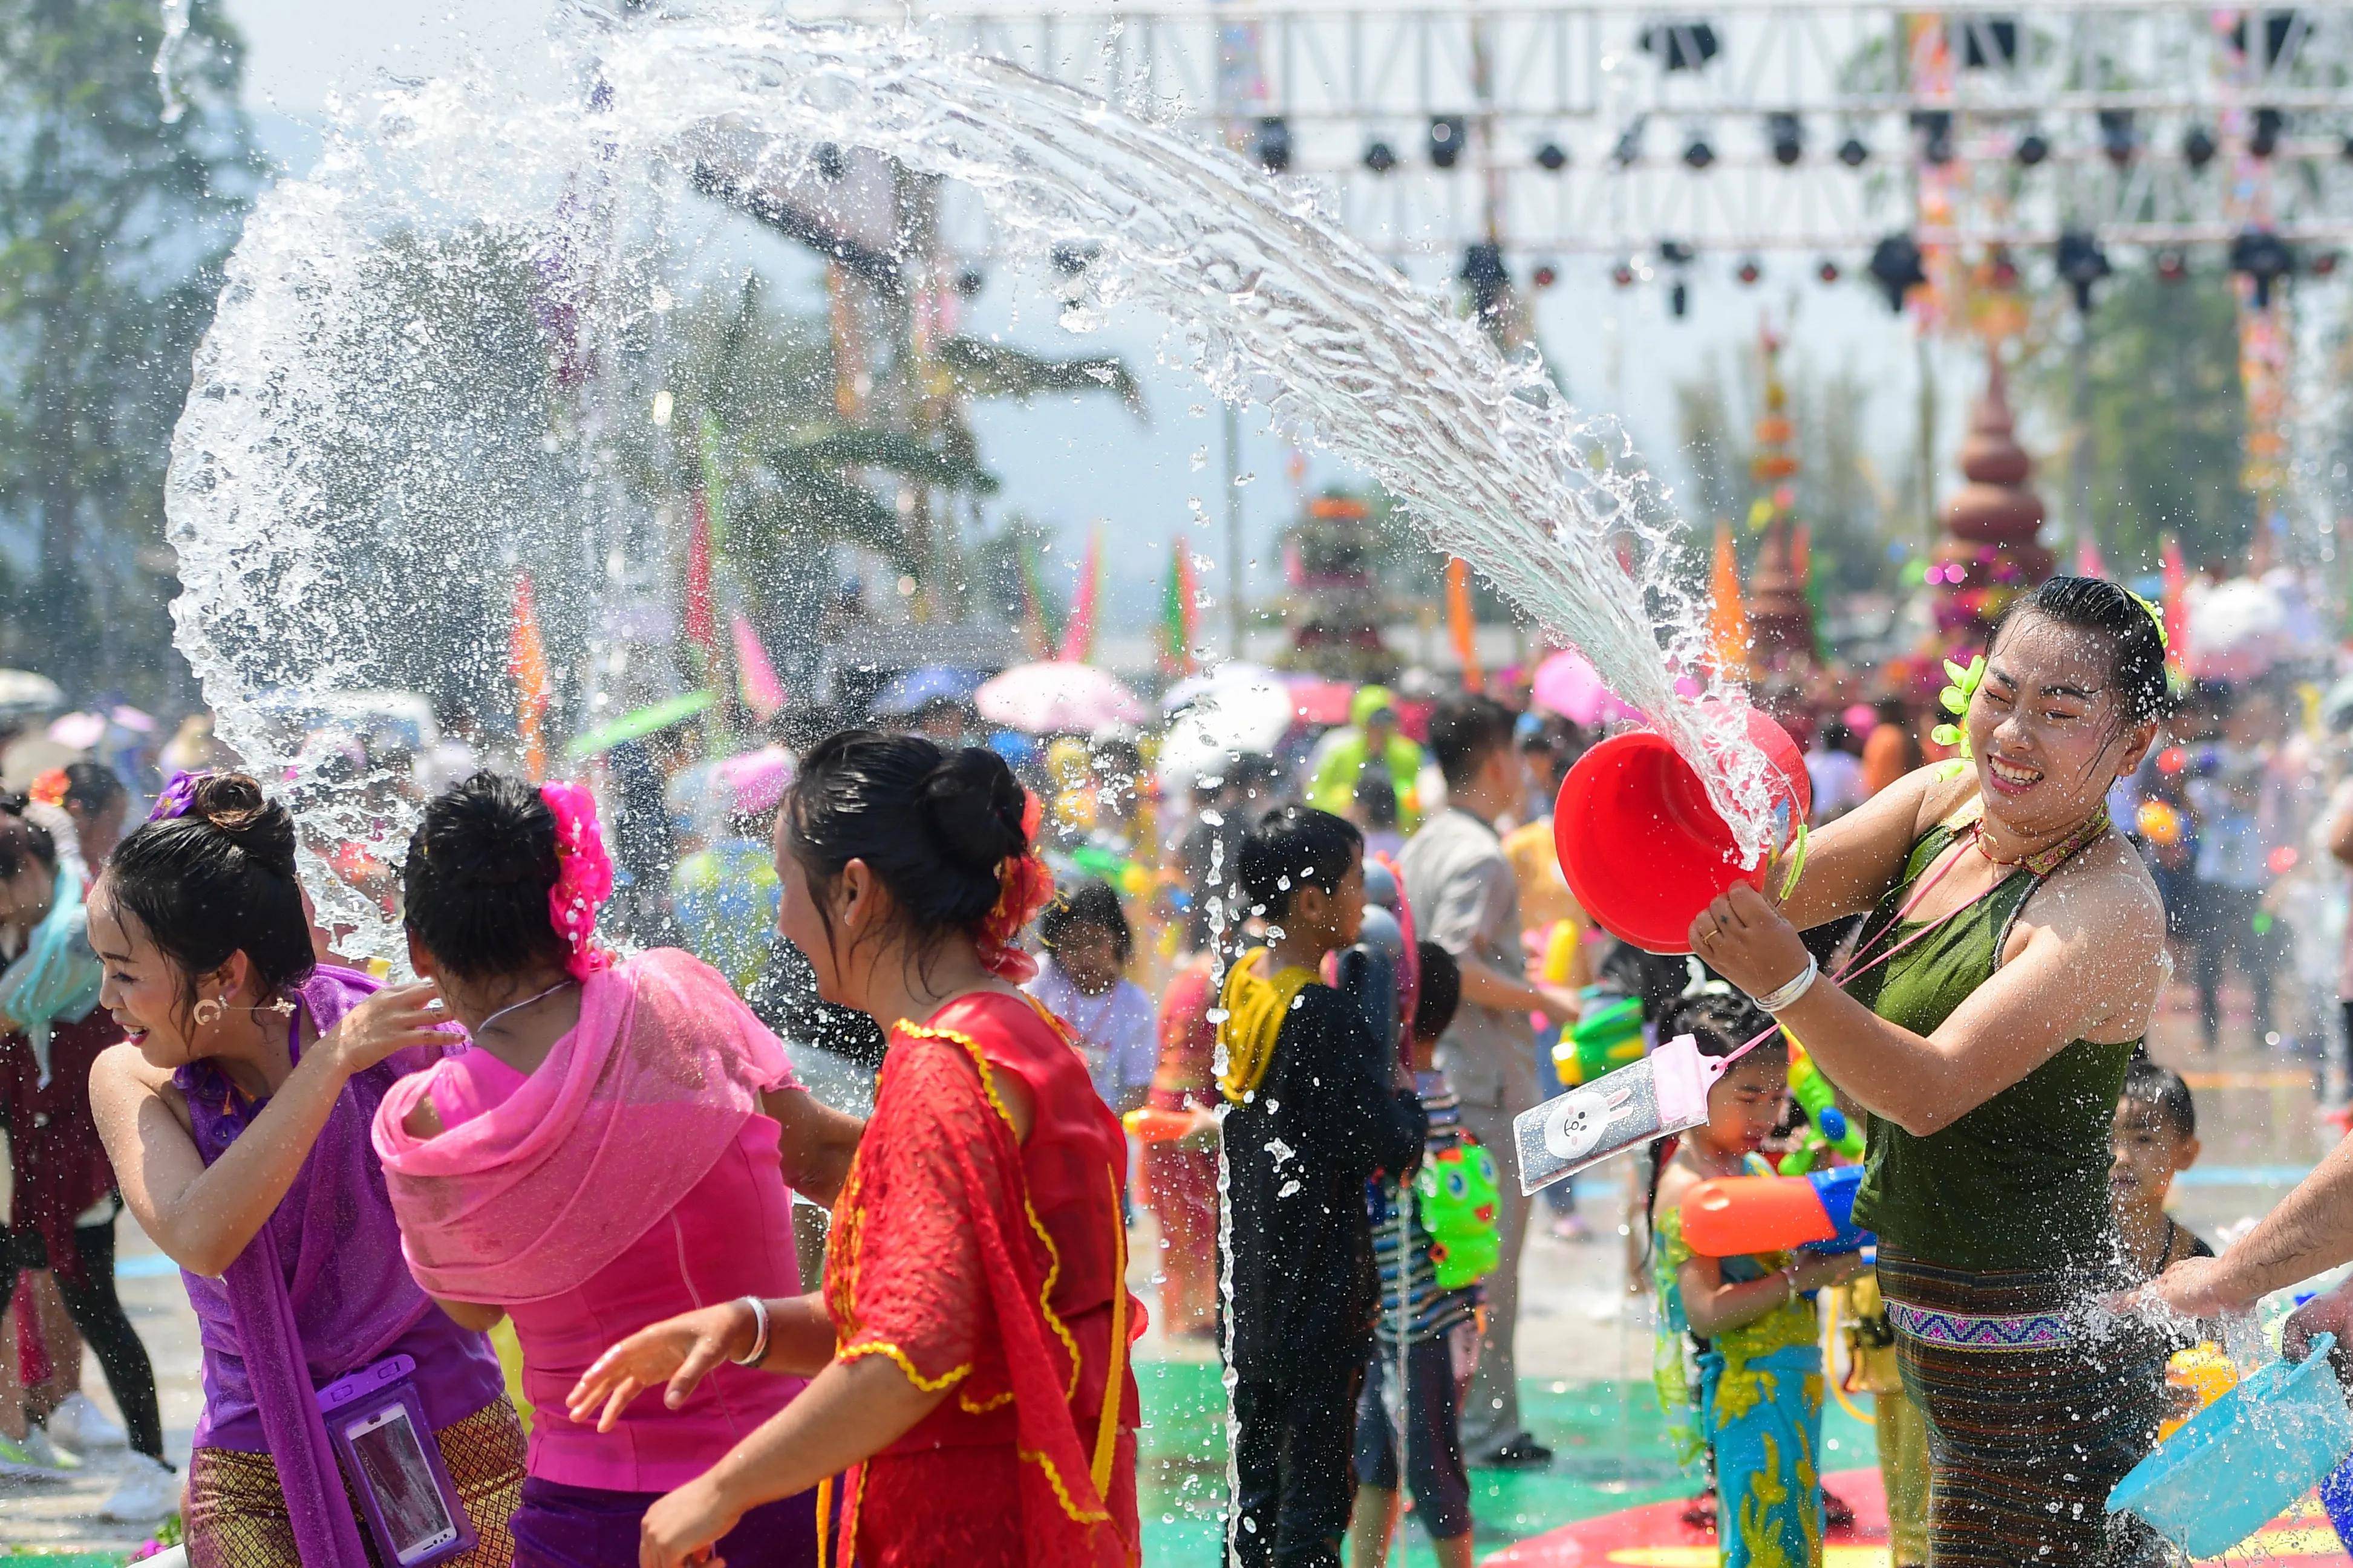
(2021, 1182)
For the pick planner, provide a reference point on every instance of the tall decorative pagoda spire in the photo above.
(1781, 613)
(1989, 553)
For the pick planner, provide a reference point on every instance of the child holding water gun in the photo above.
(1430, 1271)
(1751, 1319)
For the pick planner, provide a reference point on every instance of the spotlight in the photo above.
(2264, 140)
(2198, 148)
(2285, 32)
(970, 281)
(2117, 138)
(1483, 271)
(1895, 268)
(1852, 153)
(1935, 129)
(1989, 43)
(1699, 154)
(1750, 269)
(1622, 275)
(1448, 132)
(1675, 253)
(830, 162)
(1787, 133)
(2172, 265)
(1274, 145)
(1380, 157)
(2031, 149)
(2002, 268)
(1683, 46)
(1678, 300)
(1070, 258)
(1544, 275)
(1551, 157)
(1628, 150)
(2323, 264)
(2263, 256)
(2081, 263)
(1828, 271)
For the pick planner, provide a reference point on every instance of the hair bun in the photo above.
(233, 805)
(975, 805)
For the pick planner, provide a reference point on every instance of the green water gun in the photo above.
(1456, 1202)
(1608, 1036)
(1831, 1129)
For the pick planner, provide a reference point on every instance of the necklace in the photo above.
(484, 1027)
(2043, 862)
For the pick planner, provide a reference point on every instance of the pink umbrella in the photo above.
(1566, 685)
(1058, 697)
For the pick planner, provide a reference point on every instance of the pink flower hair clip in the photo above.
(584, 876)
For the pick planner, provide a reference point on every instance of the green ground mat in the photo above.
(1608, 1443)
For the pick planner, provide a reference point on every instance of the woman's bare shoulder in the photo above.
(123, 1079)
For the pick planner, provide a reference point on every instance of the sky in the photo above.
(1073, 463)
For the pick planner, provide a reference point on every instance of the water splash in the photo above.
(340, 463)
(167, 59)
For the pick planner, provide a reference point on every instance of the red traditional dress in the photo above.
(994, 1269)
(1181, 1179)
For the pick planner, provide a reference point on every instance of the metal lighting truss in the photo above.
(1618, 129)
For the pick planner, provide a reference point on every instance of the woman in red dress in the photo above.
(1180, 1178)
(971, 1395)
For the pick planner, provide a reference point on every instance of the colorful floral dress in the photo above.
(1758, 1409)
(992, 1268)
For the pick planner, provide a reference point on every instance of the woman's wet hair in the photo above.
(216, 881)
(2137, 675)
(23, 842)
(474, 887)
(1090, 903)
(934, 824)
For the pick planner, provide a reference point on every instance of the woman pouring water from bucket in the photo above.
(2014, 958)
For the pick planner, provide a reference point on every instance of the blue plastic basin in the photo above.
(2244, 1458)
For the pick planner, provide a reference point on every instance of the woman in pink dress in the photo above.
(616, 1148)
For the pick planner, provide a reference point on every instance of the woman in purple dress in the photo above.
(237, 1115)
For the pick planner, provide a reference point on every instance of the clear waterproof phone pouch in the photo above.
(377, 1423)
(1663, 1093)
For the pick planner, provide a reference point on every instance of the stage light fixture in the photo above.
(970, 282)
(1543, 275)
(1682, 45)
(1070, 258)
(827, 157)
(2082, 264)
(2198, 147)
(1699, 154)
(1935, 129)
(2002, 268)
(1895, 268)
(1551, 157)
(1852, 153)
(1448, 132)
(2172, 264)
(1828, 271)
(1751, 269)
(1628, 150)
(1274, 145)
(1678, 300)
(2322, 265)
(2285, 32)
(2031, 149)
(2266, 258)
(1380, 157)
(1989, 43)
(2118, 139)
(1676, 253)
(2265, 139)
(1786, 135)
(1622, 275)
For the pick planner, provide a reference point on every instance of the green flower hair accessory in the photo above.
(1956, 701)
(2175, 683)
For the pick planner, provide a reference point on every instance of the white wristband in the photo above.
(1785, 996)
(759, 1351)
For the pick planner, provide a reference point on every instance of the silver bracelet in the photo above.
(759, 1352)
(1785, 996)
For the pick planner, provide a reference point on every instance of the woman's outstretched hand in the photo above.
(679, 1351)
(1745, 937)
(395, 1019)
(680, 1527)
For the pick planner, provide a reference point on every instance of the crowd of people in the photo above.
(746, 1170)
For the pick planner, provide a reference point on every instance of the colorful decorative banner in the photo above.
(702, 626)
(1728, 618)
(1461, 627)
(755, 677)
(1180, 610)
(1079, 637)
(527, 668)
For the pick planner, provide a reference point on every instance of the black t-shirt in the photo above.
(1297, 1154)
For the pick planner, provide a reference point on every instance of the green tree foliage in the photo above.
(2168, 417)
(113, 222)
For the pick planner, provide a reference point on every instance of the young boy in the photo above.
(1312, 1110)
(2153, 1140)
(1440, 1330)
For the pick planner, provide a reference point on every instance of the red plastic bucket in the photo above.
(1641, 847)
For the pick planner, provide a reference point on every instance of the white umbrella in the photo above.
(2238, 631)
(21, 688)
(1233, 673)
